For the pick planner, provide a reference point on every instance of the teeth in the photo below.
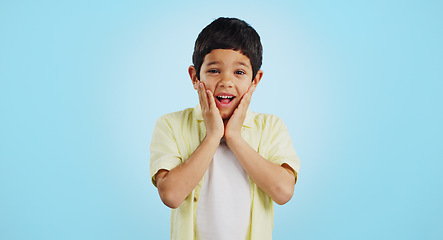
(225, 96)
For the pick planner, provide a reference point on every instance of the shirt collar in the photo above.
(247, 123)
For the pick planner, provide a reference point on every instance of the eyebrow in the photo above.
(242, 63)
(212, 63)
(217, 62)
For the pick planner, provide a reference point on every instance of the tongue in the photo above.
(225, 100)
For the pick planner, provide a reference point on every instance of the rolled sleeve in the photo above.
(164, 153)
(278, 145)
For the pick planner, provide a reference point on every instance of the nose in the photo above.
(226, 81)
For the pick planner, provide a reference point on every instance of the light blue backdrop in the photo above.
(358, 83)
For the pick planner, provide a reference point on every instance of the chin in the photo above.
(226, 116)
(227, 113)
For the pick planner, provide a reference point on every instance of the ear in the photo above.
(257, 78)
(193, 74)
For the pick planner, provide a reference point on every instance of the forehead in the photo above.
(226, 57)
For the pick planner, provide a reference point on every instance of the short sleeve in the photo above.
(164, 153)
(277, 145)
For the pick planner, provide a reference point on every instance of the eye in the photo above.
(213, 71)
(240, 72)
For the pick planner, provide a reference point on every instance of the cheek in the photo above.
(209, 86)
(242, 89)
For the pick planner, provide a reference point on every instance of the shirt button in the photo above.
(195, 199)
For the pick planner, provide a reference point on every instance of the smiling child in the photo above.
(220, 166)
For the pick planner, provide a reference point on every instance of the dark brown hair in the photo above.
(228, 33)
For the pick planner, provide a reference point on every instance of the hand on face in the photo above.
(235, 123)
(224, 87)
(211, 115)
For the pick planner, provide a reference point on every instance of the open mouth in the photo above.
(225, 99)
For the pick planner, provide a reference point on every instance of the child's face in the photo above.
(228, 75)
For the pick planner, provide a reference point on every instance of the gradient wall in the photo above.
(358, 83)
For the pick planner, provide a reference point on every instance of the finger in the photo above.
(249, 94)
(212, 105)
(200, 95)
(204, 101)
(205, 96)
(244, 103)
(251, 89)
(246, 99)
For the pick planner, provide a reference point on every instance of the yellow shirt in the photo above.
(176, 136)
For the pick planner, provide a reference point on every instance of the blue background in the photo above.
(358, 83)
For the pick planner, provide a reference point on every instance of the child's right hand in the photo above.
(211, 114)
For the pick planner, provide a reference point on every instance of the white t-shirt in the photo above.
(219, 215)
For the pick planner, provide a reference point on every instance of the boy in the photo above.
(219, 166)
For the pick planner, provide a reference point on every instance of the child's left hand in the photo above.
(235, 123)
